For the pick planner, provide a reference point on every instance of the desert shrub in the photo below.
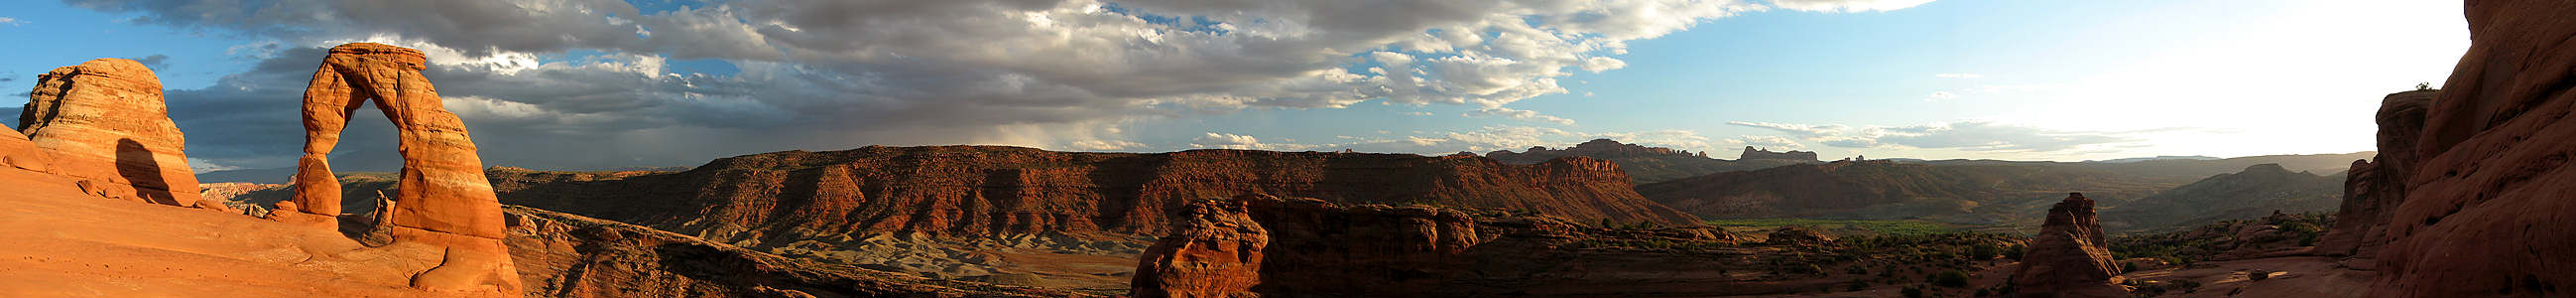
(1950, 278)
(1912, 292)
(2257, 275)
(1855, 270)
(1856, 285)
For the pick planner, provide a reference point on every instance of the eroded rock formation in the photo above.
(1751, 153)
(443, 198)
(2486, 210)
(104, 121)
(1215, 251)
(1643, 164)
(2069, 258)
(2373, 188)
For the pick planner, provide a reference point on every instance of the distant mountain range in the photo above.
(2256, 192)
(2008, 193)
(1657, 164)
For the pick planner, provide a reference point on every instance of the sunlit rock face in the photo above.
(2069, 259)
(104, 122)
(442, 199)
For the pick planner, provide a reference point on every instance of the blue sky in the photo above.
(578, 84)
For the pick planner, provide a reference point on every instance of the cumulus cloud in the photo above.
(11, 21)
(1243, 142)
(1959, 76)
(1847, 5)
(1938, 96)
(1798, 130)
(556, 75)
(1517, 114)
(1418, 114)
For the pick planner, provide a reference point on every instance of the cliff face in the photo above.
(2373, 188)
(1644, 164)
(982, 190)
(2069, 258)
(1215, 250)
(2485, 210)
(2256, 192)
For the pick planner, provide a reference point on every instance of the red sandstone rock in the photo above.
(2486, 212)
(564, 255)
(104, 121)
(444, 198)
(2372, 189)
(2069, 258)
(18, 152)
(1214, 250)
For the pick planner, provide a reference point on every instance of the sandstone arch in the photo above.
(444, 199)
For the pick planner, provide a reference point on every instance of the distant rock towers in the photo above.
(103, 122)
(444, 200)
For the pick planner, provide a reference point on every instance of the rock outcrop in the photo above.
(104, 121)
(1643, 164)
(2488, 203)
(443, 198)
(2069, 258)
(1215, 250)
(2374, 187)
(2003, 194)
(1751, 153)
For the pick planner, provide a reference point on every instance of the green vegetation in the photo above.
(2202, 243)
(1950, 278)
(1839, 227)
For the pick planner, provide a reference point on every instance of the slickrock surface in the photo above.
(2373, 188)
(445, 200)
(104, 121)
(2487, 210)
(564, 255)
(2069, 258)
(64, 243)
(18, 152)
(1643, 164)
(1215, 252)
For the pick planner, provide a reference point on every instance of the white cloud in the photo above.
(1418, 114)
(1766, 142)
(1516, 114)
(1847, 5)
(11, 21)
(1938, 96)
(1959, 76)
(1104, 145)
(1242, 142)
(1798, 130)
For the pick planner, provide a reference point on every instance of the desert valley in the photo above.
(104, 192)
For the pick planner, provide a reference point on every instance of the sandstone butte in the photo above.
(104, 122)
(1215, 251)
(2484, 187)
(774, 198)
(2069, 257)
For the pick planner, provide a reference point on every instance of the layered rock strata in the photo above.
(2069, 258)
(2373, 188)
(104, 121)
(564, 255)
(1215, 251)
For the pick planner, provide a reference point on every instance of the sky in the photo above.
(592, 84)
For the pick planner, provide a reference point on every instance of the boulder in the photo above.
(2069, 258)
(104, 121)
(1215, 250)
(444, 198)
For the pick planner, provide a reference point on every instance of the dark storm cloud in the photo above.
(818, 74)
